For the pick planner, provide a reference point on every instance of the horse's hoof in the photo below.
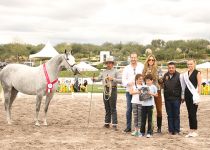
(45, 124)
(9, 123)
(37, 124)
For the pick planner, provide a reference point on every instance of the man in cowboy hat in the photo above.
(110, 78)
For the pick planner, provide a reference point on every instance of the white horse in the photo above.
(33, 81)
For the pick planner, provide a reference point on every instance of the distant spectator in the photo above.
(76, 85)
(83, 88)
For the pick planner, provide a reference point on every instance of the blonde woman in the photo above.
(150, 67)
(191, 89)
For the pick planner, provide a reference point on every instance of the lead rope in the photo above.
(91, 100)
(107, 89)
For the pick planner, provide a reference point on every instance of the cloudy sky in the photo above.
(99, 21)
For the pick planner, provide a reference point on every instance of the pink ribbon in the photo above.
(49, 86)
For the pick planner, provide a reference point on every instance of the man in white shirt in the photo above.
(128, 80)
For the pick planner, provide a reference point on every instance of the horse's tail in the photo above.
(1, 89)
(2, 94)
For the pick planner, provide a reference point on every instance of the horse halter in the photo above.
(67, 58)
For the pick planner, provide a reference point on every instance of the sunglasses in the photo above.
(151, 60)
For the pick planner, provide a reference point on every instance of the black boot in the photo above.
(159, 124)
(106, 125)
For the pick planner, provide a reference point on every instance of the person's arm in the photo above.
(117, 78)
(99, 78)
(160, 76)
(132, 91)
(183, 86)
(182, 92)
(124, 77)
(199, 82)
(155, 94)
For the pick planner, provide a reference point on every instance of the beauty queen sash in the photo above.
(184, 79)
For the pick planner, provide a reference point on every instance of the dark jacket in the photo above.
(172, 86)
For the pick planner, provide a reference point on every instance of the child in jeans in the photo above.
(136, 103)
(147, 107)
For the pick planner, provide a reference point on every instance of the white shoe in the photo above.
(188, 135)
(194, 134)
(141, 135)
(191, 134)
(149, 135)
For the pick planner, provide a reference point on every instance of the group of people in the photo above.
(78, 87)
(143, 84)
(68, 86)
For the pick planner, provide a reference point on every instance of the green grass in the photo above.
(99, 89)
(66, 73)
(96, 88)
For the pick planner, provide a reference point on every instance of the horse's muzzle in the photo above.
(75, 70)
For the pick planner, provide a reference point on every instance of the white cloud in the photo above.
(97, 21)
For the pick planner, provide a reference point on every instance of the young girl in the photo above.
(136, 103)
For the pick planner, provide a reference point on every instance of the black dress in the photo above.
(194, 81)
(192, 108)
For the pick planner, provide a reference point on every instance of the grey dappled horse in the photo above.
(32, 81)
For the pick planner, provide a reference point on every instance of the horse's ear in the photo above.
(67, 58)
(71, 52)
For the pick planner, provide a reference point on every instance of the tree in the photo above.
(158, 43)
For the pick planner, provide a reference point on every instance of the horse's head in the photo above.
(70, 62)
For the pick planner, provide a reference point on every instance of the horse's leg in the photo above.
(38, 104)
(12, 98)
(7, 96)
(47, 102)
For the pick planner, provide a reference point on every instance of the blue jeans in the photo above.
(173, 112)
(129, 110)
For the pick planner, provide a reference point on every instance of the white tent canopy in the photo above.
(205, 65)
(47, 52)
(82, 66)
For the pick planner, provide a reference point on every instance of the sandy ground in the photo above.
(69, 129)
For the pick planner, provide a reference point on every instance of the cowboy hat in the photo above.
(109, 59)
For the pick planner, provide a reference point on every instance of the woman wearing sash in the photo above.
(191, 89)
(150, 67)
